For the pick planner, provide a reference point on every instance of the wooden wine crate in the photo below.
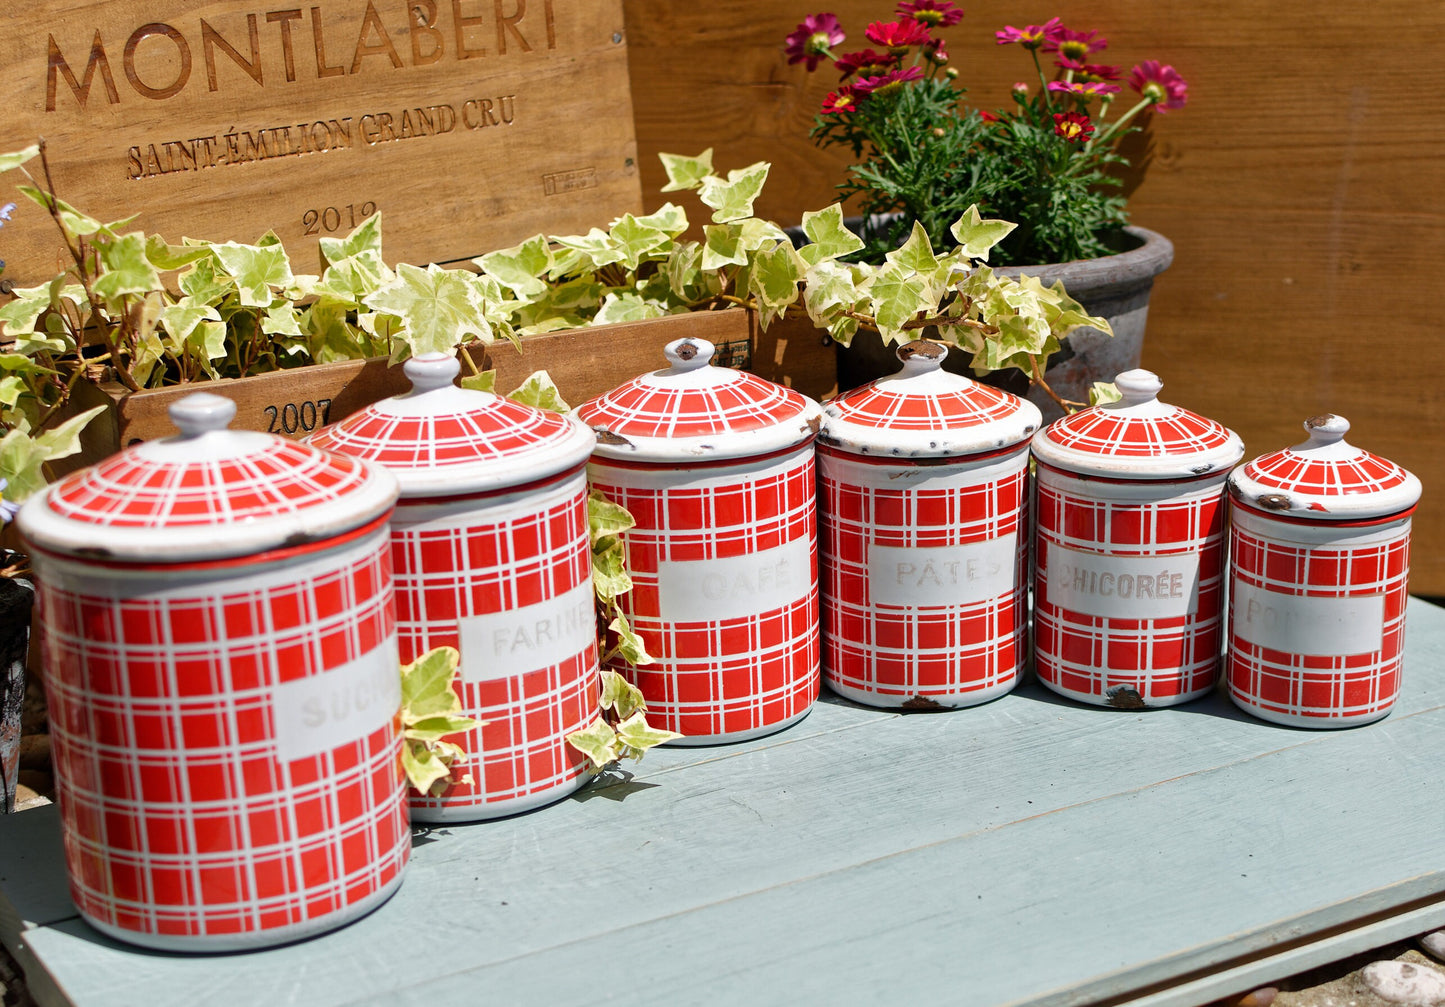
(470, 124)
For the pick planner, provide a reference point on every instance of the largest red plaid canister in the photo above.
(220, 662)
(716, 466)
(1321, 560)
(1129, 549)
(490, 547)
(923, 553)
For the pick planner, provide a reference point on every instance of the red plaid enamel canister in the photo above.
(220, 660)
(490, 548)
(923, 547)
(717, 468)
(1129, 549)
(1320, 554)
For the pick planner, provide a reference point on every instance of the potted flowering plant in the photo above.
(1048, 163)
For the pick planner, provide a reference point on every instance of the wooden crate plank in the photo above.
(469, 125)
(1058, 815)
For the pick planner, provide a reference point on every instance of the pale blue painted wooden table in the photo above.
(1030, 851)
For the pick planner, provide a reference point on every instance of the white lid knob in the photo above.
(202, 413)
(1327, 428)
(1138, 386)
(688, 354)
(431, 371)
(922, 356)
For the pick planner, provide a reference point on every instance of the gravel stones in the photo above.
(1405, 982)
(1434, 943)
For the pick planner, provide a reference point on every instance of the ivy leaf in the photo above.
(364, 238)
(166, 256)
(483, 382)
(598, 742)
(422, 767)
(21, 456)
(439, 308)
(426, 684)
(126, 269)
(733, 199)
(916, 253)
(686, 172)
(609, 572)
(896, 295)
(1104, 391)
(75, 222)
(636, 734)
(723, 246)
(518, 268)
(437, 727)
(207, 343)
(257, 270)
(16, 158)
(773, 281)
(12, 386)
(977, 236)
(280, 319)
(200, 282)
(670, 219)
(594, 250)
(606, 519)
(539, 392)
(620, 696)
(636, 241)
(627, 307)
(21, 314)
(828, 237)
(180, 319)
(630, 646)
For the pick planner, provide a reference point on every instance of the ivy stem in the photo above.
(1067, 405)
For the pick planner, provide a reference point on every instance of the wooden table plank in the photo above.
(1031, 851)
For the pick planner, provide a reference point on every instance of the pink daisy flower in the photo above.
(897, 35)
(1031, 37)
(1072, 126)
(1072, 44)
(812, 39)
(887, 82)
(934, 13)
(867, 63)
(1084, 89)
(1162, 85)
(841, 100)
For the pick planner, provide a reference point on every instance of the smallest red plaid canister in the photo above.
(716, 466)
(1321, 558)
(1129, 549)
(923, 543)
(490, 547)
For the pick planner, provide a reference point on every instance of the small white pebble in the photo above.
(1435, 944)
(1405, 982)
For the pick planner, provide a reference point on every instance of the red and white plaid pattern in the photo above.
(882, 405)
(727, 678)
(468, 558)
(1315, 474)
(1163, 660)
(501, 430)
(955, 654)
(135, 489)
(649, 408)
(184, 827)
(1319, 690)
(1124, 433)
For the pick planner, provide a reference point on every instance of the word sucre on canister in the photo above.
(1130, 548)
(1320, 554)
(717, 468)
(923, 487)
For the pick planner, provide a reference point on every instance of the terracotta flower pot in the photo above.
(1115, 286)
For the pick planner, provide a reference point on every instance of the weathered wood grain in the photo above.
(1298, 186)
(470, 124)
(1027, 851)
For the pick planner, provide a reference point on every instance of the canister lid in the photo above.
(1138, 437)
(206, 493)
(441, 440)
(1325, 478)
(692, 411)
(924, 411)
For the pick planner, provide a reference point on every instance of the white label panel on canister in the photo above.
(529, 638)
(922, 576)
(1315, 627)
(337, 707)
(1123, 587)
(734, 587)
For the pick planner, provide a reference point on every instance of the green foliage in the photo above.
(430, 712)
(622, 732)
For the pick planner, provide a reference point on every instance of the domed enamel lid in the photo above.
(206, 493)
(925, 412)
(441, 440)
(1325, 478)
(1138, 437)
(692, 411)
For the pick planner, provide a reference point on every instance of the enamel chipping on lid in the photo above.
(442, 440)
(693, 411)
(206, 493)
(1138, 437)
(925, 412)
(1325, 477)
